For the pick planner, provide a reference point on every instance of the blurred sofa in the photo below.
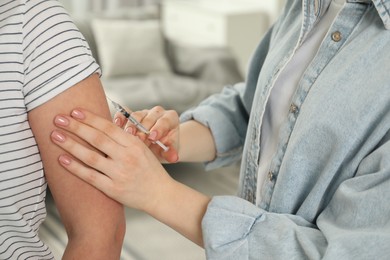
(142, 69)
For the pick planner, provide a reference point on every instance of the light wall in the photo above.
(81, 7)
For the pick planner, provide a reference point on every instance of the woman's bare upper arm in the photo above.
(79, 204)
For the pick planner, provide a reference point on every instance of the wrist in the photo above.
(181, 208)
(196, 143)
(159, 194)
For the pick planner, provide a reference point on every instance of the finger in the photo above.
(139, 116)
(100, 125)
(89, 175)
(148, 118)
(165, 123)
(170, 156)
(86, 155)
(119, 119)
(130, 128)
(93, 136)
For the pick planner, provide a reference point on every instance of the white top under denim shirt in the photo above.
(327, 195)
(284, 87)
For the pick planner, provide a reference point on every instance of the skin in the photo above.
(95, 224)
(188, 142)
(131, 171)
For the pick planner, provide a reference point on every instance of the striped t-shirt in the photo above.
(41, 54)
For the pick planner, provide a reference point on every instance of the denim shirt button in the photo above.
(293, 108)
(250, 196)
(336, 36)
(270, 176)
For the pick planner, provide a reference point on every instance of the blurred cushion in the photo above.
(130, 47)
(142, 12)
(212, 64)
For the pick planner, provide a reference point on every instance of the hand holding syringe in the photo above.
(137, 124)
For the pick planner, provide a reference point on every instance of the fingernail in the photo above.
(152, 136)
(118, 121)
(65, 160)
(58, 136)
(176, 159)
(129, 130)
(78, 114)
(62, 121)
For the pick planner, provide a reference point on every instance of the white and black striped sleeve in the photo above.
(56, 55)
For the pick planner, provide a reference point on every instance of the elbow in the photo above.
(99, 241)
(117, 235)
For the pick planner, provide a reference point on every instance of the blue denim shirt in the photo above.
(328, 191)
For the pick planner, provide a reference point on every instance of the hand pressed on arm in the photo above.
(129, 173)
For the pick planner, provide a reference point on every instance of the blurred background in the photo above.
(172, 53)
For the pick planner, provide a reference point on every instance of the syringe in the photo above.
(135, 122)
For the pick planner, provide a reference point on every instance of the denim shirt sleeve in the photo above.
(354, 225)
(219, 113)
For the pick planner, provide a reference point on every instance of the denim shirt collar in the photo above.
(383, 8)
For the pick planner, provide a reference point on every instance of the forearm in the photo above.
(181, 208)
(196, 143)
(86, 247)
